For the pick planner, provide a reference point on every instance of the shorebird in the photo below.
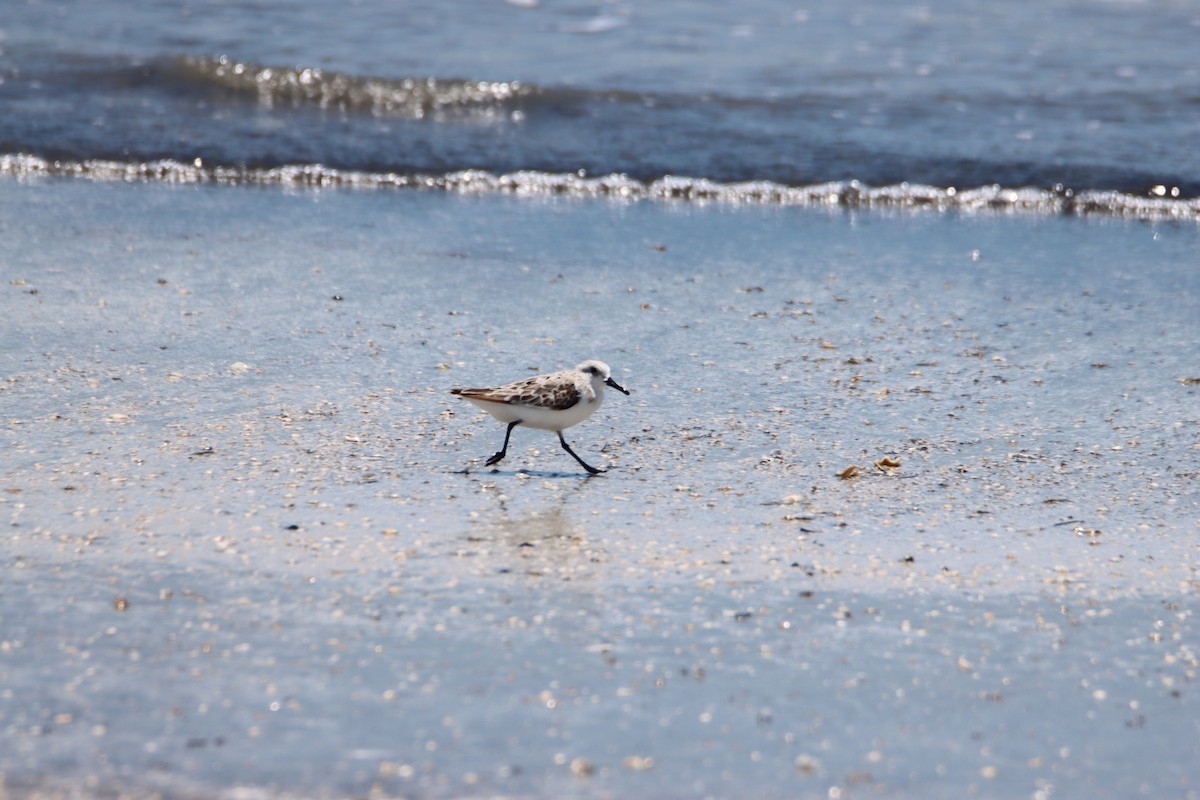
(552, 402)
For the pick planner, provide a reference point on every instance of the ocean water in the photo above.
(1071, 106)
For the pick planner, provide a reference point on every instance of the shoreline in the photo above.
(1159, 203)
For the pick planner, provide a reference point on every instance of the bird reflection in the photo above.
(539, 541)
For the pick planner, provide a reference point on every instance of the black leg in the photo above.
(503, 450)
(591, 470)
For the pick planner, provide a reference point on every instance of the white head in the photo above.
(601, 376)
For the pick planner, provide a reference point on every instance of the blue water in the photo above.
(1083, 106)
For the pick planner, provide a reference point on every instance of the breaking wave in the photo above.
(844, 194)
(413, 97)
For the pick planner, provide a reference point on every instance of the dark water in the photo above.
(1087, 106)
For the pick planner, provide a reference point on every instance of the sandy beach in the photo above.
(251, 549)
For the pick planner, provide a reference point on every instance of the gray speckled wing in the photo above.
(557, 395)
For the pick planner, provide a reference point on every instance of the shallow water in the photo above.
(241, 558)
(526, 685)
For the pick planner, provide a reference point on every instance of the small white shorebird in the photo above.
(551, 402)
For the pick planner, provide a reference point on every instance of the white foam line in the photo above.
(852, 194)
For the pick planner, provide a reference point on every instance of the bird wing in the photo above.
(527, 392)
(565, 396)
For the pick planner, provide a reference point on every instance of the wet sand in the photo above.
(242, 558)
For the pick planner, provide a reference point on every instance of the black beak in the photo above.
(617, 386)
